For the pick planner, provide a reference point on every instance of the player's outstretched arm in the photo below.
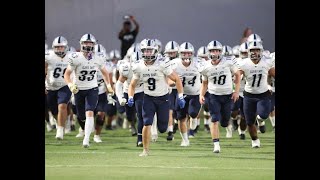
(237, 79)
(272, 72)
(106, 78)
(203, 90)
(174, 77)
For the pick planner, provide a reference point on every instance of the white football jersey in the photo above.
(125, 70)
(153, 76)
(272, 84)
(190, 76)
(243, 80)
(86, 70)
(256, 75)
(56, 68)
(101, 85)
(219, 76)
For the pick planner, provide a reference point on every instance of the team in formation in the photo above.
(161, 92)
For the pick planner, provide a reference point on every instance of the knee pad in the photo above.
(224, 123)
(99, 121)
(163, 128)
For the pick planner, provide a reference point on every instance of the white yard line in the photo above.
(163, 167)
(75, 152)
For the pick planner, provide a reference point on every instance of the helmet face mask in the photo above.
(60, 46)
(171, 50)
(87, 43)
(60, 50)
(215, 54)
(203, 52)
(186, 51)
(215, 49)
(87, 46)
(149, 54)
(149, 50)
(172, 54)
(255, 49)
(227, 51)
(186, 56)
(243, 55)
(255, 54)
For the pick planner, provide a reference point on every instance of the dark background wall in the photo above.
(196, 21)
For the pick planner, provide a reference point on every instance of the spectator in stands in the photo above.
(246, 34)
(126, 35)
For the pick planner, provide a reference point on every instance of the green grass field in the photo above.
(117, 158)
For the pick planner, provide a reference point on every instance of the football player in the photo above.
(154, 71)
(58, 93)
(187, 68)
(256, 100)
(85, 88)
(217, 79)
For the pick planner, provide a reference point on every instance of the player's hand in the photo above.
(110, 90)
(130, 101)
(201, 99)
(111, 100)
(73, 88)
(181, 102)
(123, 101)
(235, 96)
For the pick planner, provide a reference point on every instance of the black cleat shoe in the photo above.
(108, 127)
(242, 136)
(170, 136)
(196, 129)
(206, 128)
(262, 129)
(73, 127)
(175, 127)
(139, 144)
(133, 131)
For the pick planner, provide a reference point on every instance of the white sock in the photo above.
(272, 120)
(154, 129)
(216, 143)
(170, 128)
(60, 131)
(206, 121)
(74, 119)
(88, 126)
(114, 122)
(198, 119)
(68, 123)
(52, 120)
(60, 127)
(184, 136)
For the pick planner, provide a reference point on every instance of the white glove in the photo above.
(110, 90)
(123, 101)
(111, 100)
(73, 88)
